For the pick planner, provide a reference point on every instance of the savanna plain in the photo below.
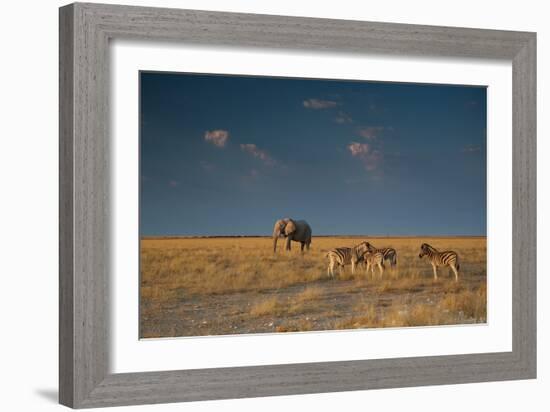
(237, 285)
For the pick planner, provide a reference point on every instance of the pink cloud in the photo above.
(370, 132)
(319, 104)
(358, 149)
(371, 158)
(173, 183)
(258, 153)
(342, 118)
(217, 137)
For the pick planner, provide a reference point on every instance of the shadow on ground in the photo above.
(51, 395)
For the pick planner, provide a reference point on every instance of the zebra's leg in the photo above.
(453, 267)
(380, 265)
(352, 268)
(330, 269)
(435, 271)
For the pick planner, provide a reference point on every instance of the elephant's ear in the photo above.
(290, 227)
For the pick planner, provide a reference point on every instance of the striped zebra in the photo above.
(373, 259)
(341, 257)
(436, 258)
(389, 253)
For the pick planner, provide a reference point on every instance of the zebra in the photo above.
(436, 258)
(343, 256)
(389, 253)
(373, 259)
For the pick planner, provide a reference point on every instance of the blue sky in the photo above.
(228, 155)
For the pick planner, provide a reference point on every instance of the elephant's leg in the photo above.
(287, 244)
(308, 244)
(302, 246)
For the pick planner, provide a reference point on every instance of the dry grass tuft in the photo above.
(311, 293)
(301, 325)
(471, 304)
(269, 306)
(366, 317)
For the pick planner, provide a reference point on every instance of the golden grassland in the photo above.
(212, 286)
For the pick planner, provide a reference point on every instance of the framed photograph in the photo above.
(257, 205)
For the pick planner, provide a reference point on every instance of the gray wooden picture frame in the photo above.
(85, 31)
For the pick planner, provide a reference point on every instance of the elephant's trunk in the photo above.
(275, 243)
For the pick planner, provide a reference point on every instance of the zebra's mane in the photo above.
(426, 246)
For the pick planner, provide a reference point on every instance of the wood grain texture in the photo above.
(85, 31)
(524, 206)
(66, 228)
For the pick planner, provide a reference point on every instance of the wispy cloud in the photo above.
(173, 183)
(217, 137)
(471, 148)
(343, 118)
(258, 153)
(251, 178)
(370, 157)
(319, 104)
(370, 132)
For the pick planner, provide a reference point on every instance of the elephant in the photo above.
(296, 230)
